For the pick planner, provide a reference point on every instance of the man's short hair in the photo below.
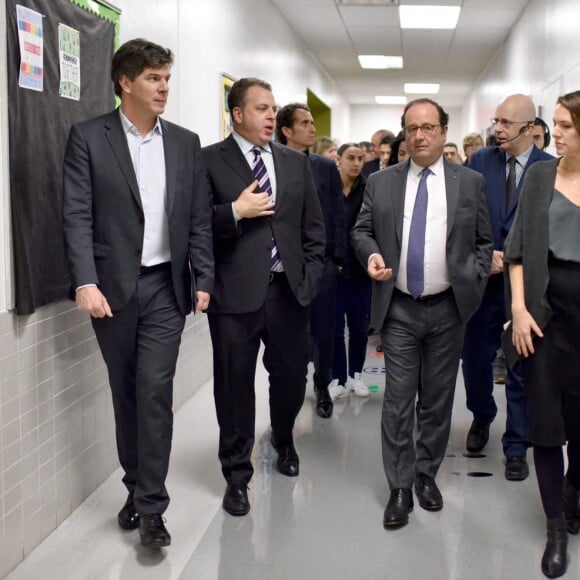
(443, 116)
(451, 145)
(285, 118)
(134, 57)
(239, 90)
(387, 140)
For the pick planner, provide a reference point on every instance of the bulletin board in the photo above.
(59, 54)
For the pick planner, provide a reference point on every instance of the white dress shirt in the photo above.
(436, 273)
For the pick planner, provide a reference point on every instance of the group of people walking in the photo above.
(277, 245)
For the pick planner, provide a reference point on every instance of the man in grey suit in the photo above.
(424, 234)
(138, 240)
(269, 244)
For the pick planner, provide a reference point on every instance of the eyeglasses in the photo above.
(425, 129)
(507, 124)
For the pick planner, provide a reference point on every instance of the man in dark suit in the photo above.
(423, 232)
(514, 122)
(380, 136)
(295, 128)
(138, 240)
(269, 245)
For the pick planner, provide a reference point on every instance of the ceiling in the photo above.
(337, 31)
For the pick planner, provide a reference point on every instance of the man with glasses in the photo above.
(503, 168)
(424, 235)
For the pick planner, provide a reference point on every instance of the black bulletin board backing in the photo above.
(39, 123)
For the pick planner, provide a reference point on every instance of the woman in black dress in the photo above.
(543, 252)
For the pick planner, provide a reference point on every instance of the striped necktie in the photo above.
(261, 174)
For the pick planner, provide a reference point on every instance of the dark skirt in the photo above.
(552, 373)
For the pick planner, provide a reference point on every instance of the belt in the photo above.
(150, 269)
(428, 298)
(277, 277)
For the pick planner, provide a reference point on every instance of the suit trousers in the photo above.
(322, 325)
(422, 344)
(140, 345)
(281, 324)
(482, 339)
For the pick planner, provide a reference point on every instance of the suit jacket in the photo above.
(329, 188)
(491, 163)
(103, 214)
(379, 229)
(370, 167)
(242, 250)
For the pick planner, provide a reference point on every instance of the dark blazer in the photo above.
(528, 243)
(491, 163)
(370, 167)
(329, 188)
(379, 229)
(103, 215)
(242, 250)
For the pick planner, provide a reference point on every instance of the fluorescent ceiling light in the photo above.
(443, 17)
(422, 88)
(390, 100)
(380, 61)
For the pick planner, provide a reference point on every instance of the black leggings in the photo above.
(550, 473)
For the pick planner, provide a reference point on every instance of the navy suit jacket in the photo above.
(370, 167)
(329, 189)
(491, 163)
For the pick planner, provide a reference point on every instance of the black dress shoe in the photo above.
(128, 517)
(428, 493)
(324, 403)
(399, 506)
(236, 499)
(477, 437)
(288, 462)
(516, 468)
(153, 532)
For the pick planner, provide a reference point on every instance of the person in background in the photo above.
(503, 168)
(367, 149)
(541, 133)
(138, 240)
(374, 164)
(543, 296)
(354, 287)
(399, 152)
(385, 151)
(451, 153)
(295, 128)
(472, 142)
(325, 147)
(424, 235)
(269, 244)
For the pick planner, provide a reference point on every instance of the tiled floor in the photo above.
(324, 525)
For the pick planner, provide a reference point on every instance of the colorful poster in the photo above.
(69, 52)
(31, 45)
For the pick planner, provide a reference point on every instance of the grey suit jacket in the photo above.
(103, 215)
(379, 229)
(242, 250)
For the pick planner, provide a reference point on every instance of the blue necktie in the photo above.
(261, 174)
(416, 245)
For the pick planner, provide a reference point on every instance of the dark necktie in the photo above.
(510, 184)
(416, 245)
(261, 174)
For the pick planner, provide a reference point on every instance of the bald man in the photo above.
(503, 167)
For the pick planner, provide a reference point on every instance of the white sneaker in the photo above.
(358, 386)
(337, 391)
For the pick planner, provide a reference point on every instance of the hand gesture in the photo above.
(252, 205)
(523, 324)
(377, 270)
